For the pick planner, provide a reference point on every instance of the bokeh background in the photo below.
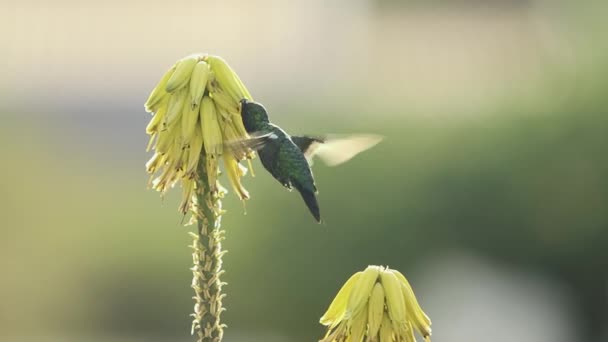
(490, 191)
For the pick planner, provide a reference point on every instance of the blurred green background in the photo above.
(490, 191)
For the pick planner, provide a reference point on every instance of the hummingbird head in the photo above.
(254, 115)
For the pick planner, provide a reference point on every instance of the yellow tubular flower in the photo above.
(183, 159)
(164, 141)
(337, 308)
(154, 162)
(375, 305)
(232, 114)
(238, 124)
(359, 325)
(376, 309)
(232, 137)
(189, 122)
(187, 189)
(196, 112)
(196, 146)
(210, 127)
(223, 100)
(337, 335)
(421, 321)
(235, 172)
(176, 104)
(159, 92)
(409, 333)
(386, 329)
(228, 79)
(211, 164)
(394, 298)
(198, 83)
(159, 116)
(182, 74)
(222, 114)
(362, 290)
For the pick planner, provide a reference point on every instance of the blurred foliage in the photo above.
(85, 249)
(85, 246)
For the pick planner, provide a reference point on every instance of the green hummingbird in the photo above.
(289, 158)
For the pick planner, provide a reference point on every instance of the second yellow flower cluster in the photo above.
(377, 304)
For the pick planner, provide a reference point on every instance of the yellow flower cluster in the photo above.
(196, 111)
(377, 304)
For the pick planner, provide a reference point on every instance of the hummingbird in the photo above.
(289, 158)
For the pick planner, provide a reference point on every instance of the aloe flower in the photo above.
(196, 112)
(377, 304)
(195, 108)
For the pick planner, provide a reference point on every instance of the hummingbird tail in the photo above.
(310, 199)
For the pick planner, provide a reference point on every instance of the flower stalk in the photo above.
(207, 259)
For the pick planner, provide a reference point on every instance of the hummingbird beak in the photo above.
(243, 104)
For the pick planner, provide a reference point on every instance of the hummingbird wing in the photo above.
(308, 145)
(256, 141)
(335, 150)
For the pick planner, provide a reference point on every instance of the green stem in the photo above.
(207, 259)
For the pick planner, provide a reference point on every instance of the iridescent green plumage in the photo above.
(281, 156)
